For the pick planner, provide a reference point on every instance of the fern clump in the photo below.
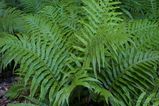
(64, 47)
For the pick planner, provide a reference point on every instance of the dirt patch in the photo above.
(4, 86)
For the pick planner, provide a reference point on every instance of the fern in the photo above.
(82, 43)
(132, 70)
(15, 90)
(11, 20)
(93, 38)
(2, 7)
(147, 100)
(46, 58)
(144, 34)
(21, 104)
(140, 8)
(31, 5)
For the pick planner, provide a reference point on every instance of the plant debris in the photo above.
(4, 86)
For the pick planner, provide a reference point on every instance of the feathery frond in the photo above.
(11, 20)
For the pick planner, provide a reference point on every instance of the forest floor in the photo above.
(4, 86)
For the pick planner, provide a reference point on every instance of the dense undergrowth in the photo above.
(81, 52)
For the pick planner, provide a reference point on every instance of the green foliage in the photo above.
(95, 37)
(83, 43)
(31, 5)
(140, 8)
(148, 99)
(10, 19)
(15, 90)
(21, 104)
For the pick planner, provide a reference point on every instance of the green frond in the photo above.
(21, 104)
(15, 90)
(140, 26)
(144, 34)
(61, 46)
(53, 13)
(25, 49)
(11, 20)
(38, 25)
(31, 5)
(2, 7)
(145, 99)
(133, 70)
(77, 78)
(44, 62)
(98, 32)
(139, 9)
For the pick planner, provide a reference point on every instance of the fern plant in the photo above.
(148, 100)
(140, 8)
(45, 59)
(84, 43)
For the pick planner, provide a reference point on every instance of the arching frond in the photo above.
(21, 104)
(144, 34)
(44, 62)
(99, 32)
(11, 20)
(133, 70)
(140, 8)
(83, 43)
(145, 99)
(31, 5)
